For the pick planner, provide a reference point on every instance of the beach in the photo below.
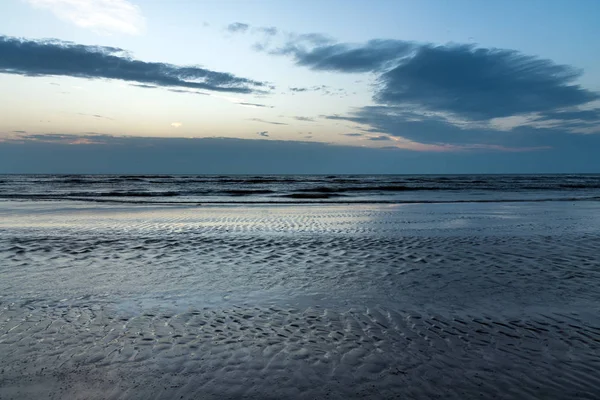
(468, 300)
(251, 200)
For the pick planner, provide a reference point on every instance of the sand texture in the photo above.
(468, 301)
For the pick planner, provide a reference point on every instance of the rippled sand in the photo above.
(416, 301)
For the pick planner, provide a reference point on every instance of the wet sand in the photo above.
(415, 301)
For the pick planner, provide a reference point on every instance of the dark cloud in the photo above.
(468, 81)
(19, 131)
(306, 119)
(352, 134)
(480, 83)
(448, 95)
(238, 27)
(143, 86)
(267, 122)
(400, 122)
(342, 57)
(299, 89)
(53, 57)
(263, 133)
(379, 138)
(256, 105)
(434, 130)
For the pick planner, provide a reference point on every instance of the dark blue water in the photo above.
(300, 188)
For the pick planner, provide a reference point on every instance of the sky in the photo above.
(181, 86)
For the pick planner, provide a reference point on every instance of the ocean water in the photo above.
(300, 188)
(445, 291)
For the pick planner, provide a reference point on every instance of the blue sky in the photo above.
(377, 87)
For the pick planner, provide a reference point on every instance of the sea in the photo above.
(299, 189)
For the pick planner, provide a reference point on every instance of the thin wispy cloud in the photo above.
(240, 27)
(102, 16)
(243, 103)
(578, 115)
(188, 91)
(268, 30)
(267, 122)
(144, 86)
(95, 116)
(379, 138)
(58, 58)
(263, 133)
(59, 138)
(322, 89)
(305, 119)
(237, 27)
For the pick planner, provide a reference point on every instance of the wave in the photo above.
(245, 192)
(310, 195)
(580, 186)
(390, 188)
(88, 181)
(90, 195)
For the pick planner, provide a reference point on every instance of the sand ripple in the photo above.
(338, 303)
(91, 351)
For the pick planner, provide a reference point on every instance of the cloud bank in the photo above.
(60, 153)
